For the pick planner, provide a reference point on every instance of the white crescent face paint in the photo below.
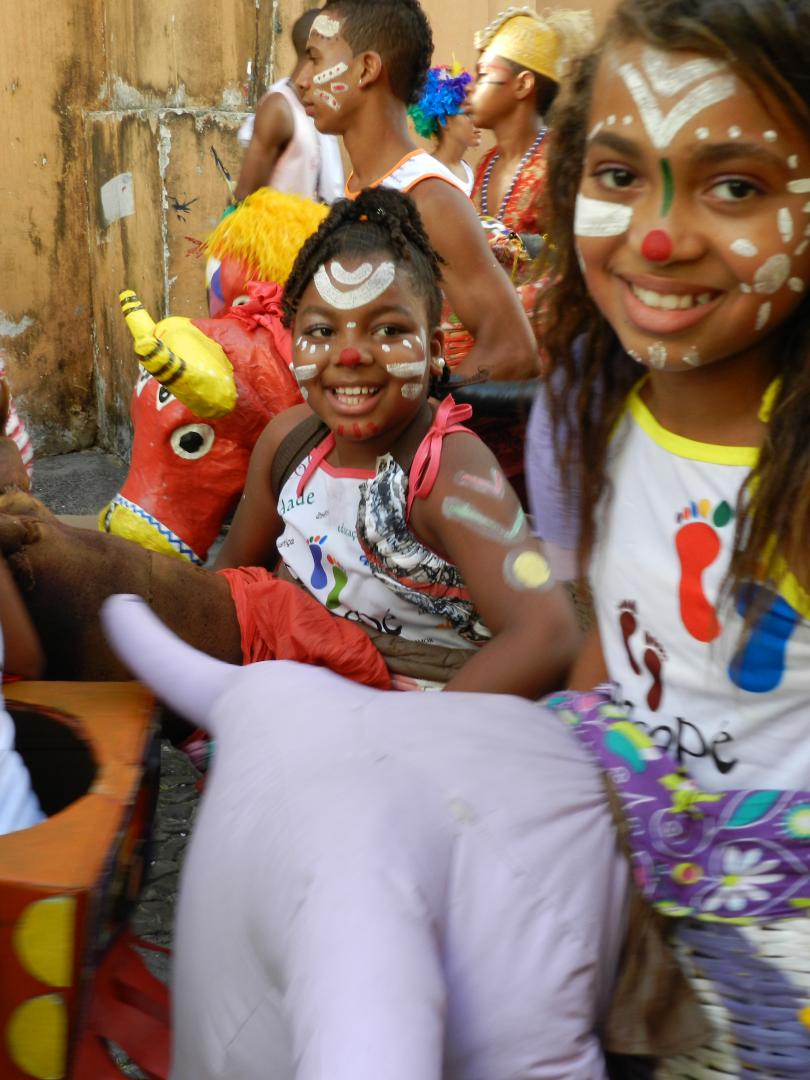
(369, 289)
(350, 277)
(597, 217)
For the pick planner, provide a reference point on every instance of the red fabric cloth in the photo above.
(264, 308)
(281, 621)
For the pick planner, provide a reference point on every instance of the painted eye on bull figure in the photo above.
(192, 441)
(164, 396)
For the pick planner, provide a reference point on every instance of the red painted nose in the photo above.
(656, 246)
(349, 357)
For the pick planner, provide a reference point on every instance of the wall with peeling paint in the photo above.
(109, 110)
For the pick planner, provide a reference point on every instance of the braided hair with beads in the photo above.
(378, 220)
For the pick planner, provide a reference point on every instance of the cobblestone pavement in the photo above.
(81, 484)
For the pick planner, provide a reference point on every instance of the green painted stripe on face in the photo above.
(669, 187)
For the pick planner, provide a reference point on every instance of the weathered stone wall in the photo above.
(109, 111)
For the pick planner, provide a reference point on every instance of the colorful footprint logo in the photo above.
(653, 657)
(319, 579)
(340, 579)
(759, 663)
(698, 545)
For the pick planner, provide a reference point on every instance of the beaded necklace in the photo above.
(485, 182)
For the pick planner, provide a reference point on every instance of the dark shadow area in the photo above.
(61, 764)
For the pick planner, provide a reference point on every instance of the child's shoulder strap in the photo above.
(293, 448)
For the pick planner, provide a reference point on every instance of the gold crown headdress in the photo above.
(544, 43)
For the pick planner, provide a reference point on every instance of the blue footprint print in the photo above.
(759, 663)
(319, 578)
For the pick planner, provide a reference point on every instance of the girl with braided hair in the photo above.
(385, 509)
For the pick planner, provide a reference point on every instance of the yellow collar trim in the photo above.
(711, 453)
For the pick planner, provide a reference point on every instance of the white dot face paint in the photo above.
(785, 223)
(691, 357)
(734, 132)
(386, 348)
(702, 133)
(772, 275)
(406, 344)
(411, 390)
(796, 284)
(668, 78)
(658, 355)
(627, 120)
(763, 315)
(611, 120)
(597, 217)
(793, 161)
(305, 372)
(323, 77)
(744, 247)
(351, 325)
(799, 187)
(373, 284)
(769, 136)
(408, 370)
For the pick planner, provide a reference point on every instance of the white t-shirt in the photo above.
(19, 806)
(735, 716)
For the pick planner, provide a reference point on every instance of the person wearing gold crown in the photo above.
(523, 56)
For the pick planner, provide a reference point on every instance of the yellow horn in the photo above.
(181, 357)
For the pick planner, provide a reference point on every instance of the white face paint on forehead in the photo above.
(668, 77)
(369, 285)
(325, 26)
(349, 277)
(596, 217)
(329, 74)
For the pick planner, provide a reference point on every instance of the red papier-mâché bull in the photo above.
(207, 387)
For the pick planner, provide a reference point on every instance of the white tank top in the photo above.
(734, 717)
(411, 170)
(311, 164)
(320, 547)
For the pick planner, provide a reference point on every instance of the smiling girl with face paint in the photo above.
(390, 513)
(681, 403)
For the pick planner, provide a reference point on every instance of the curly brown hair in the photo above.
(396, 29)
(765, 41)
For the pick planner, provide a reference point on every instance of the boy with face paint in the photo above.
(285, 151)
(367, 63)
(523, 56)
